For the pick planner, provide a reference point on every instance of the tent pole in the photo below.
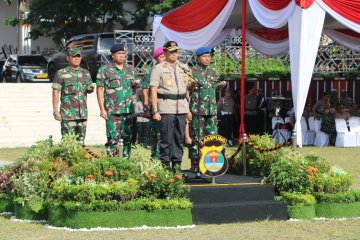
(242, 80)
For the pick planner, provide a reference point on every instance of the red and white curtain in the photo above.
(345, 37)
(196, 24)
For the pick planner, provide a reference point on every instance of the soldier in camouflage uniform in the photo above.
(145, 85)
(74, 83)
(203, 102)
(115, 97)
(328, 124)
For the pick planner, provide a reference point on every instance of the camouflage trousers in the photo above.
(154, 138)
(78, 127)
(118, 126)
(199, 128)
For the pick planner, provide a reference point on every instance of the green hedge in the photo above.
(6, 204)
(337, 210)
(24, 212)
(60, 217)
(301, 212)
(342, 197)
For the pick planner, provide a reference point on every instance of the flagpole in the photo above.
(242, 80)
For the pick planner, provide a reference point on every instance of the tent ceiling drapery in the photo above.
(213, 20)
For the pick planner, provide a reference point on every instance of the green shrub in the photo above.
(136, 204)
(69, 149)
(164, 184)
(340, 197)
(321, 164)
(296, 199)
(260, 161)
(40, 151)
(334, 181)
(142, 158)
(290, 173)
(105, 169)
(89, 191)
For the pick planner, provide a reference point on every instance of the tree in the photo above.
(63, 19)
(167, 5)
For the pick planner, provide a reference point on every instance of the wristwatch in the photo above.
(145, 109)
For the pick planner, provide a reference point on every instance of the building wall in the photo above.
(26, 116)
(8, 35)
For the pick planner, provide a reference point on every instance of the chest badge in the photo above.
(169, 82)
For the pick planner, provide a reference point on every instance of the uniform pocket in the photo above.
(69, 89)
(184, 79)
(115, 83)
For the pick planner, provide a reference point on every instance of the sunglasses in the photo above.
(76, 56)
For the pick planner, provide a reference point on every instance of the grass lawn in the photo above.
(348, 158)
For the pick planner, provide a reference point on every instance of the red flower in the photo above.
(89, 177)
(151, 177)
(109, 172)
(179, 176)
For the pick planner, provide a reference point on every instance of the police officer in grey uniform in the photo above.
(169, 82)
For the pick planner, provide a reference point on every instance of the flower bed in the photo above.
(308, 184)
(84, 191)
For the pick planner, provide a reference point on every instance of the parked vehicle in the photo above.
(2, 62)
(25, 68)
(95, 50)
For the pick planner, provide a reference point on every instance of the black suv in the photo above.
(25, 68)
(95, 50)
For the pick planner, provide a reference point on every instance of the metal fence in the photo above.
(331, 58)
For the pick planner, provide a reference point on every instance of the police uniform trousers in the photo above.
(172, 129)
(78, 127)
(154, 138)
(227, 126)
(200, 127)
(118, 126)
(251, 122)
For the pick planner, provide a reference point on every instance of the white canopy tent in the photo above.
(290, 24)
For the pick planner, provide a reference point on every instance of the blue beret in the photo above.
(117, 47)
(202, 50)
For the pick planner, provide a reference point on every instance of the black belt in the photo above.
(171, 96)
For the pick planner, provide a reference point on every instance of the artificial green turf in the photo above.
(301, 212)
(59, 217)
(337, 210)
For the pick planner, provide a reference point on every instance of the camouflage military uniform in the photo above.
(203, 109)
(154, 125)
(118, 100)
(328, 127)
(73, 85)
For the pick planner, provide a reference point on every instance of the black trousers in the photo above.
(251, 124)
(227, 126)
(143, 133)
(172, 129)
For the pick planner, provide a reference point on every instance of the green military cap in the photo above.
(74, 51)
